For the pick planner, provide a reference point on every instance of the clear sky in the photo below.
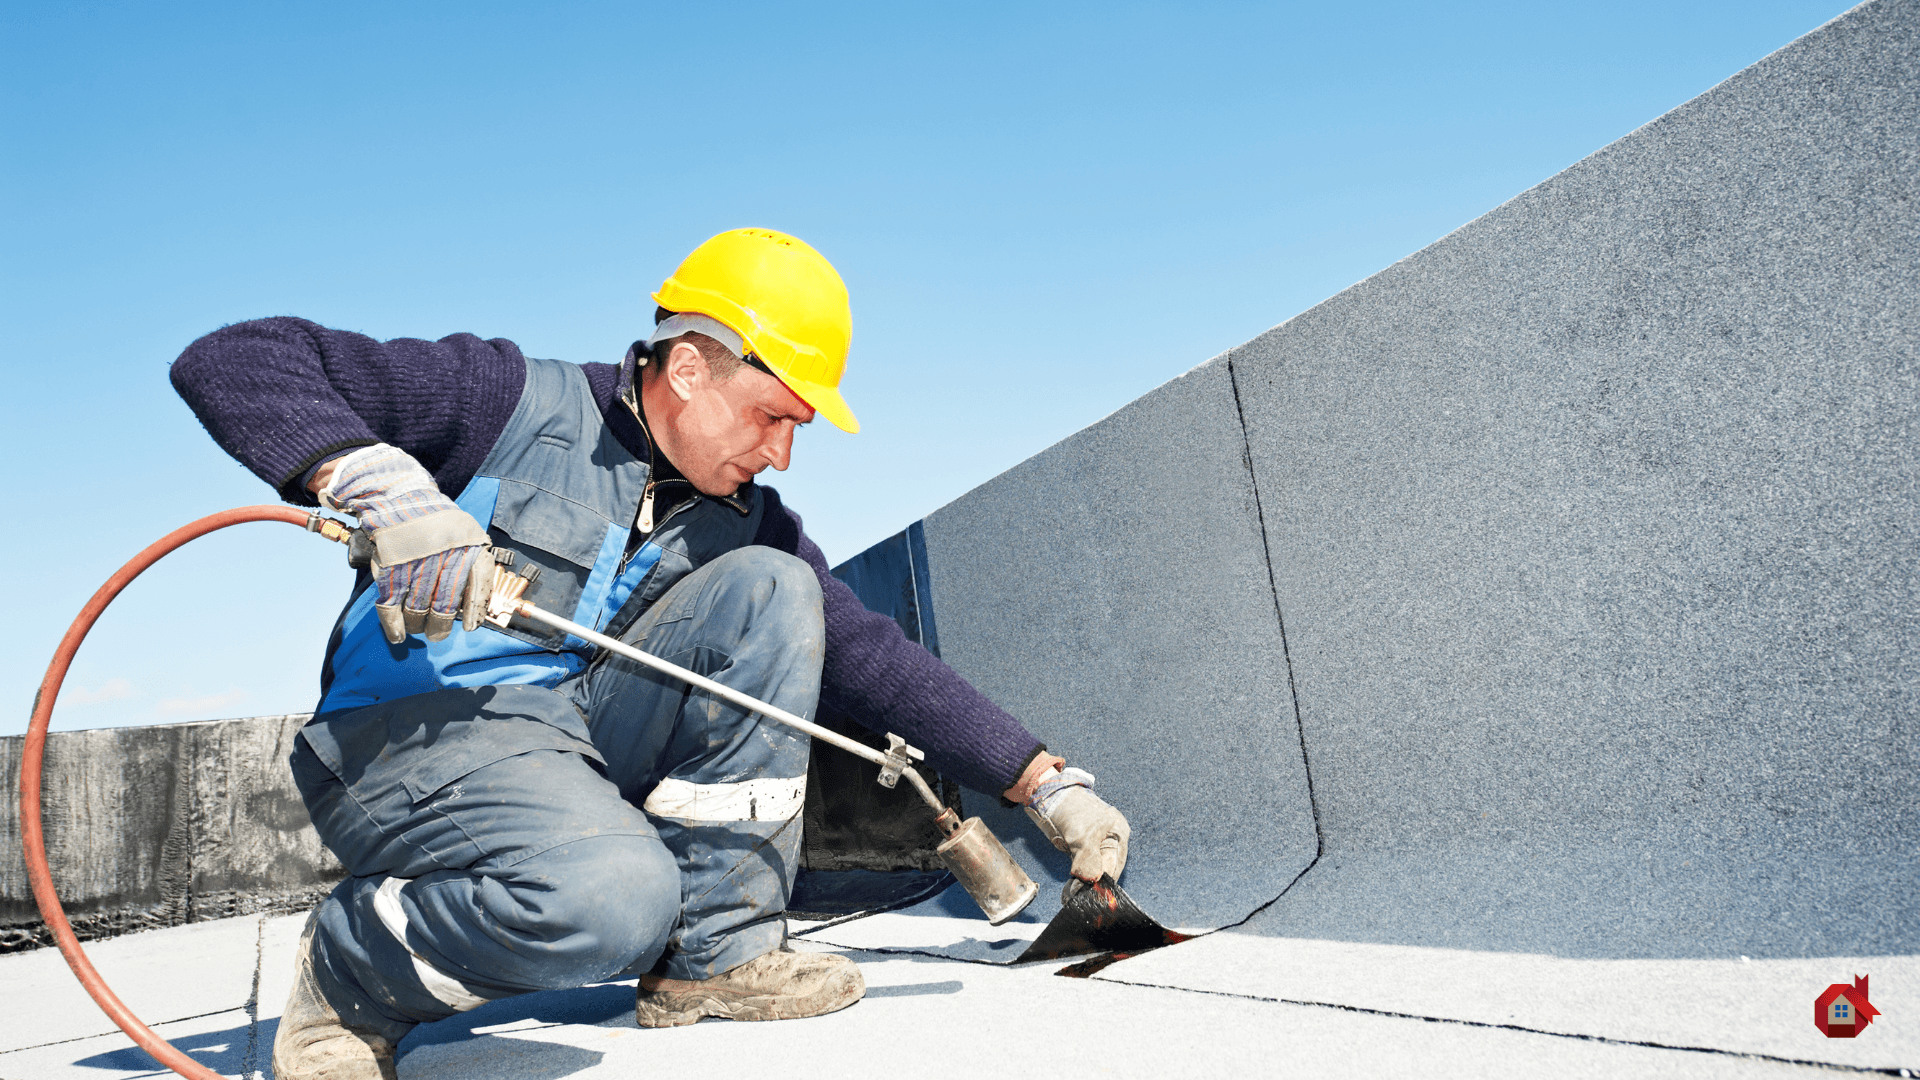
(1041, 211)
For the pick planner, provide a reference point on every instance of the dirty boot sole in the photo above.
(824, 992)
(344, 1057)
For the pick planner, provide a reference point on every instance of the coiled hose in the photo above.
(33, 839)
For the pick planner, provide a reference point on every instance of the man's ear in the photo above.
(684, 370)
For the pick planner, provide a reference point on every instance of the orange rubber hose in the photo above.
(31, 837)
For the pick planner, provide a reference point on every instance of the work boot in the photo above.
(314, 1043)
(781, 985)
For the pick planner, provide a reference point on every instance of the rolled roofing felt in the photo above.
(1099, 917)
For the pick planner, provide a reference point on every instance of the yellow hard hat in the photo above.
(786, 302)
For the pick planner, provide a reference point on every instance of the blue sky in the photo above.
(1041, 213)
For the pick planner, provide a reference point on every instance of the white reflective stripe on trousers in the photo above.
(445, 988)
(763, 799)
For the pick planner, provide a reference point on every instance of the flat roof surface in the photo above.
(1230, 1003)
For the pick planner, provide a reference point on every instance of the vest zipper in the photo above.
(644, 519)
(644, 523)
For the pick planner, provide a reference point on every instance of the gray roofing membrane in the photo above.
(1594, 528)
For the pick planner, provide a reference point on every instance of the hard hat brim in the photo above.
(826, 401)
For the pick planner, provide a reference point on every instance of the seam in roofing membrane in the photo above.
(918, 952)
(1890, 1070)
(922, 574)
(250, 1063)
(1280, 620)
(117, 1031)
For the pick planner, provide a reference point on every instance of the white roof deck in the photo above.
(1226, 1004)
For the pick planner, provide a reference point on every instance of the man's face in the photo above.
(722, 434)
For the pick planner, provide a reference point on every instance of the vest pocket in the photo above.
(549, 522)
(564, 539)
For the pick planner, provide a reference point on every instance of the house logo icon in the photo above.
(1842, 1011)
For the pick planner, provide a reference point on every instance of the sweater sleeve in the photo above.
(283, 394)
(888, 683)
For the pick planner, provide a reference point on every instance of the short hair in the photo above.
(721, 363)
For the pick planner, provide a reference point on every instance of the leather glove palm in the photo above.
(427, 564)
(1081, 824)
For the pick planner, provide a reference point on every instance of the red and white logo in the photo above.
(1842, 1011)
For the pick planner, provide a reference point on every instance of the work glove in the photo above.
(1080, 824)
(429, 563)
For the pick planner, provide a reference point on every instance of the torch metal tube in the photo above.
(721, 690)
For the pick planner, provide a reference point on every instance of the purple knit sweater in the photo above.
(283, 394)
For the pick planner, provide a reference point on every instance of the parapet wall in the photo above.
(156, 826)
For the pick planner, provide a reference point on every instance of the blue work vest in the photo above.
(561, 492)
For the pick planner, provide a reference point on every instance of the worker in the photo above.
(518, 811)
